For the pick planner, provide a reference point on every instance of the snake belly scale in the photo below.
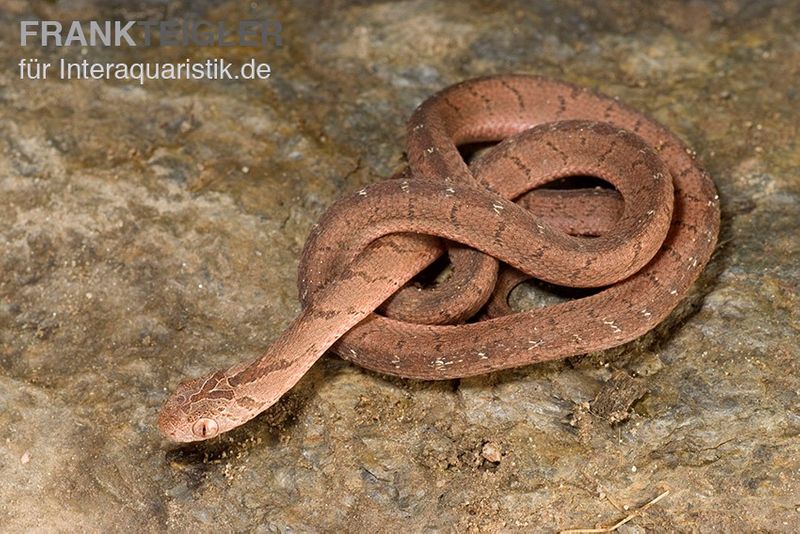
(642, 244)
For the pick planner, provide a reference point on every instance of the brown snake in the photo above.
(643, 244)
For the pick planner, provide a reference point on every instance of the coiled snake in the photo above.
(643, 243)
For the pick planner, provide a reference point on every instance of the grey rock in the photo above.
(150, 233)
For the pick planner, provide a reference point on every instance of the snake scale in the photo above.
(642, 244)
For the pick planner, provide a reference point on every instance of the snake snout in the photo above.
(170, 422)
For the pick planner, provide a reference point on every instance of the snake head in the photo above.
(200, 409)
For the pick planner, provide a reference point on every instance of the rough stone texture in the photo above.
(150, 233)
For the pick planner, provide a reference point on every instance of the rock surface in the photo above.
(151, 232)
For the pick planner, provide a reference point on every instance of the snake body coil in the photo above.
(644, 244)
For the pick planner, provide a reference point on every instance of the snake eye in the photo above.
(205, 428)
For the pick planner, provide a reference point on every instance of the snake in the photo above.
(634, 246)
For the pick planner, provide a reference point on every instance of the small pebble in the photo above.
(491, 452)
